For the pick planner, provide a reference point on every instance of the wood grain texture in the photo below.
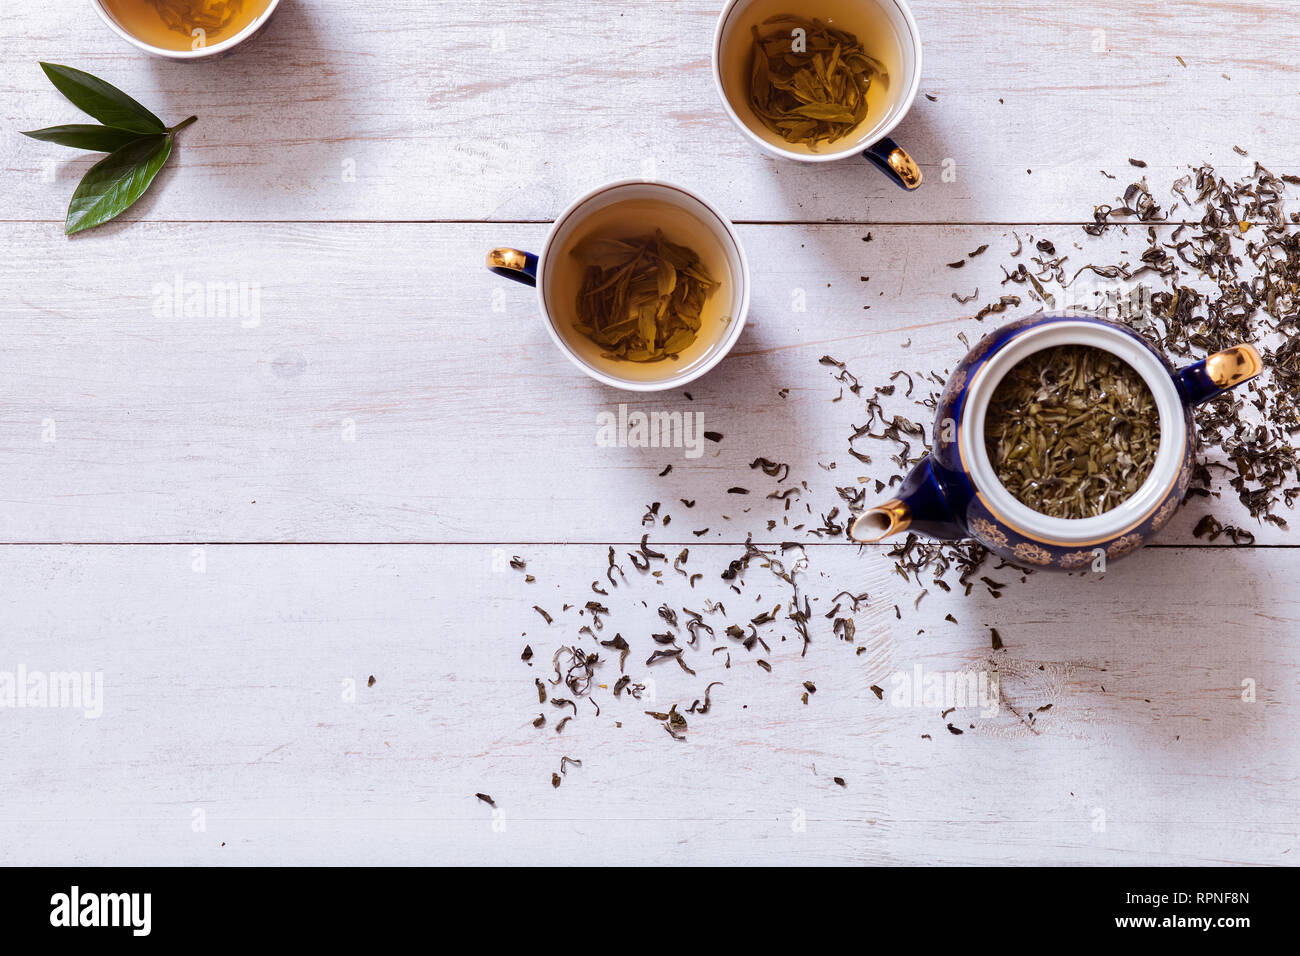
(223, 692)
(379, 424)
(394, 390)
(441, 113)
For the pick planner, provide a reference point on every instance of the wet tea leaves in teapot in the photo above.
(1072, 431)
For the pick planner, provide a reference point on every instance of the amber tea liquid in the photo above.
(636, 218)
(867, 21)
(184, 24)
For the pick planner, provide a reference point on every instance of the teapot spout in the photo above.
(921, 506)
(883, 521)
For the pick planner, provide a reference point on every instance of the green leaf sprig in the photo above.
(138, 144)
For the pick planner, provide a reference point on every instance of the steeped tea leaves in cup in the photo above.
(809, 80)
(185, 16)
(1072, 431)
(184, 24)
(642, 299)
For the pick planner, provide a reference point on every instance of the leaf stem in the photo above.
(180, 126)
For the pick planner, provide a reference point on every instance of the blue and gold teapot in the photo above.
(955, 492)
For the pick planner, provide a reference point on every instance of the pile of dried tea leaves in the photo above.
(1225, 272)
(642, 299)
(1242, 246)
(1072, 431)
(814, 90)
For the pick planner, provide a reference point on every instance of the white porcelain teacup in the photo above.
(182, 40)
(626, 208)
(888, 32)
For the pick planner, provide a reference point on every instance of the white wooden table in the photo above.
(238, 519)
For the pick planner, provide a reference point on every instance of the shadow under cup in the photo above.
(637, 209)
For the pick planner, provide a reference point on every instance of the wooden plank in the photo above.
(328, 115)
(226, 737)
(381, 385)
(374, 384)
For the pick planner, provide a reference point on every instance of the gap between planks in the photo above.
(548, 544)
(945, 224)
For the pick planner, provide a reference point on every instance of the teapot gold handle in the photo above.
(1221, 371)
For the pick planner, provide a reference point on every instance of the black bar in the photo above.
(874, 905)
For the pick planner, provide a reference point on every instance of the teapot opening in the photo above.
(1172, 424)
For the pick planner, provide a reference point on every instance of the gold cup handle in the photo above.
(904, 166)
(513, 264)
(896, 163)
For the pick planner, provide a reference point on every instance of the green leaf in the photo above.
(101, 100)
(99, 139)
(114, 183)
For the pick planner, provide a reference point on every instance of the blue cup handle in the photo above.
(892, 160)
(1211, 377)
(514, 264)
